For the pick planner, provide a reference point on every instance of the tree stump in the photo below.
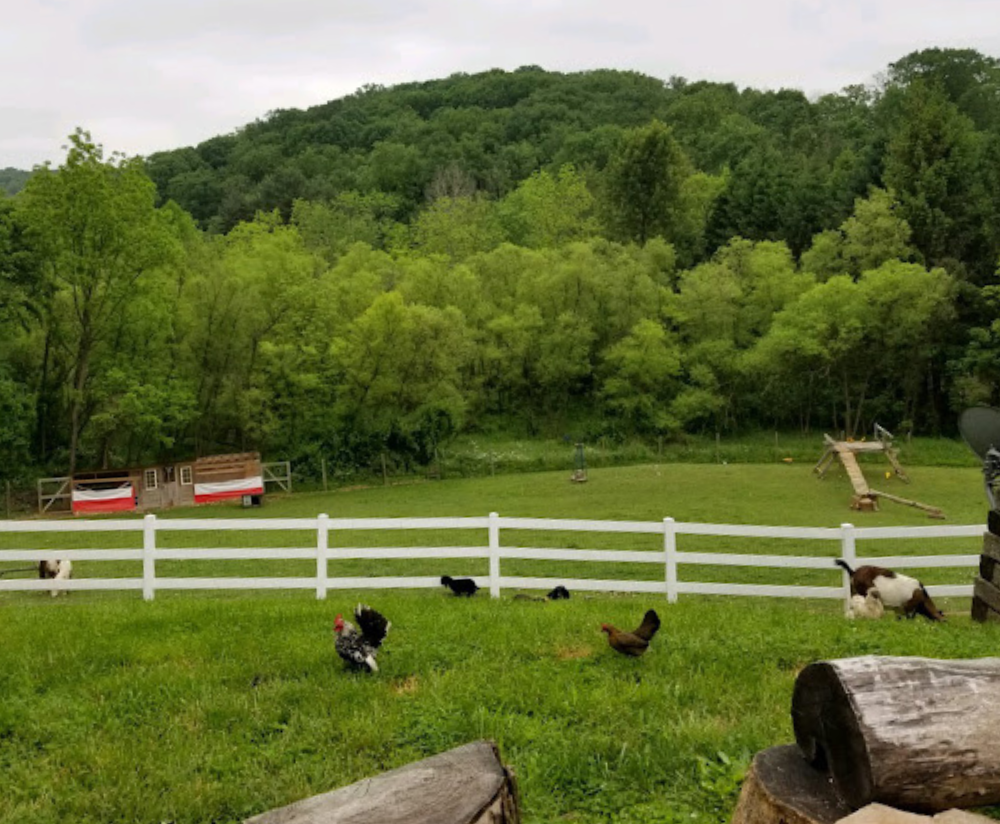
(781, 788)
(466, 785)
(914, 733)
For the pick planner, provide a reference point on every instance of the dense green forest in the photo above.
(592, 254)
(12, 180)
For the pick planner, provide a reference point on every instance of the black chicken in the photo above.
(358, 649)
(460, 586)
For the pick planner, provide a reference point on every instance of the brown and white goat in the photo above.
(898, 592)
(57, 570)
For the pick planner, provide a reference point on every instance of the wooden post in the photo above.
(915, 733)
(494, 533)
(466, 785)
(322, 554)
(670, 558)
(148, 557)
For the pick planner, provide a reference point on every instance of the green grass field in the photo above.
(215, 706)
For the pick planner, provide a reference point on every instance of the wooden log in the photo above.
(985, 601)
(982, 613)
(991, 546)
(466, 785)
(987, 592)
(914, 733)
(932, 511)
(781, 788)
(993, 521)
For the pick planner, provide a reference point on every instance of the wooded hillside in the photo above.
(602, 253)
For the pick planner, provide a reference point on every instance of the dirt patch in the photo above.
(573, 653)
(407, 686)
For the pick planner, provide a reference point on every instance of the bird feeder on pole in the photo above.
(579, 475)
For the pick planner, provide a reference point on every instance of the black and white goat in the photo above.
(898, 592)
(57, 570)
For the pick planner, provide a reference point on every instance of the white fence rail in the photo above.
(670, 558)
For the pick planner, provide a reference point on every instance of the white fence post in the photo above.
(322, 553)
(494, 530)
(149, 557)
(670, 557)
(848, 551)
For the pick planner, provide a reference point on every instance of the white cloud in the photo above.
(146, 75)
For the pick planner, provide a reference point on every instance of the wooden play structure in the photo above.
(865, 498)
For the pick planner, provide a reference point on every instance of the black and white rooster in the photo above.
(359, 649)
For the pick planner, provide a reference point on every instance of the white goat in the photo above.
(56, 570)
(869, 606)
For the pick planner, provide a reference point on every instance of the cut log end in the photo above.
(912, 733)
(781, 788)
(826, 730)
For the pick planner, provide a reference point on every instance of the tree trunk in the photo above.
(76, 405)
(915, 733)
(781, 788)
(466, 785)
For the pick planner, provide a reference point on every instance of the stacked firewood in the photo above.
(986, 593)
(911, 734)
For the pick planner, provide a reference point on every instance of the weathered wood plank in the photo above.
(987, 592)
(914, 733)
(989, 570)
(466, 785)
(781, 788)
(854, 473)
(982, 613)
(991, 546)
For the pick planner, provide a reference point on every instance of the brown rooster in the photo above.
(633, 643)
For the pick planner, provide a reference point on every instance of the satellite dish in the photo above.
(980, 428)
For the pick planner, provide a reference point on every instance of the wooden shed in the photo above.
(161, 486)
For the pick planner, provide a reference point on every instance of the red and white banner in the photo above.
(120, 499)
(220, 490)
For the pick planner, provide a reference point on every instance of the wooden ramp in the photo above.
(853, 471)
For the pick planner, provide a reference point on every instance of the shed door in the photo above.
(168, 490)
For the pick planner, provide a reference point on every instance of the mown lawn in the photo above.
(214, 706)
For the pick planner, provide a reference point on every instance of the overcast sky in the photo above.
(146, 75)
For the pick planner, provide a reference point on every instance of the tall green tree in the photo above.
(96, 226)
(930, 164)
(643, 185)
(875, 233)
(549, 210)
(640, 379)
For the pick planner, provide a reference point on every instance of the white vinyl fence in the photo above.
(845, 539)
